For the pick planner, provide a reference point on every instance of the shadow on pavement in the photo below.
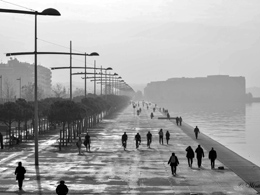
(38, 178)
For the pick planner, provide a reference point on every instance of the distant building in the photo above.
(14, 70)
(202, 89)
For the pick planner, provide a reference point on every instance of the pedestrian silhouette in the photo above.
(174, 162)
(19, 172)
(200, 154)
(168, 115)
(177, 121)
(79, 143)
(87, 142)
(62, 189)
(196, 131)
(160, 136)
(149, 139)
(124, 140)
(152, 115)
(137, 140)
(180, 120)
(212, 157)
(190, 155)
(1, 141)
(167, 137)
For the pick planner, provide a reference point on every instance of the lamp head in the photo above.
(93, 54)
(50, 12)
(109, 68)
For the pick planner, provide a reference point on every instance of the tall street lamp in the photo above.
(1, 88)
(46, 12)
(20, 86)
(95, 73)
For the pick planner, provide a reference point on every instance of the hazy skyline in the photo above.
(142, 40)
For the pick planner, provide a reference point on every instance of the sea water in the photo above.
(234, 125)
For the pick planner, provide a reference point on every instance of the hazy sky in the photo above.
(142, 40)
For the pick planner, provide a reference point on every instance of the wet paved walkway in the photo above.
(108, 169)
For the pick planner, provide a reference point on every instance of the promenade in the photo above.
(108, 169)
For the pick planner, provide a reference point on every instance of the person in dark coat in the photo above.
(190, 155)
(168, 115)
(19, 172)
(149, 139)
(1, 141)
(196, 131)
(161, 136)
(137, 140)
(174, 162)
(124, 140)
(152, 115)
(180, 120)
(87, 142)
(200, 154)
(212, 157)
(177, 120)
(167, 136)
(62, 189)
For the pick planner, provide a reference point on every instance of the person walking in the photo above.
(124, 140)
(196, 131)
(190, 155)
(160, 136)
(174, 162)
(151, 115)
(200, 154)
(87, 142)
(1, 141)
(79, 143)
(167, 137)
(180, 120)
(177, 121)
(149, 139)
(137, 140)
(168, 116)
(62, 189)
(212, 157)
(19, 172)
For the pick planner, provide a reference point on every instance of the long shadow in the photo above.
(38, 178)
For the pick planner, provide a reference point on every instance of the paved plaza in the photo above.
(108, 169)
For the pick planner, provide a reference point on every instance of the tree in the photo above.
(65, 112)
(8, 91)
(28, 92)
(59, 91)
(8, 115)
(27, 111)
(79, 92)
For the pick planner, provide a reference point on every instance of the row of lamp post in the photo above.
(54, 12)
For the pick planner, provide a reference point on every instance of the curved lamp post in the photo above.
(46, 12)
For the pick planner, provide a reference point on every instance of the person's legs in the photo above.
(191, 161)
(199, 162)
(175, 169)
(188, 161)
(20, 183)
(212, 162)
(172, 169)
(196, 134)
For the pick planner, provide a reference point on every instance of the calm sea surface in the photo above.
(237, 126)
